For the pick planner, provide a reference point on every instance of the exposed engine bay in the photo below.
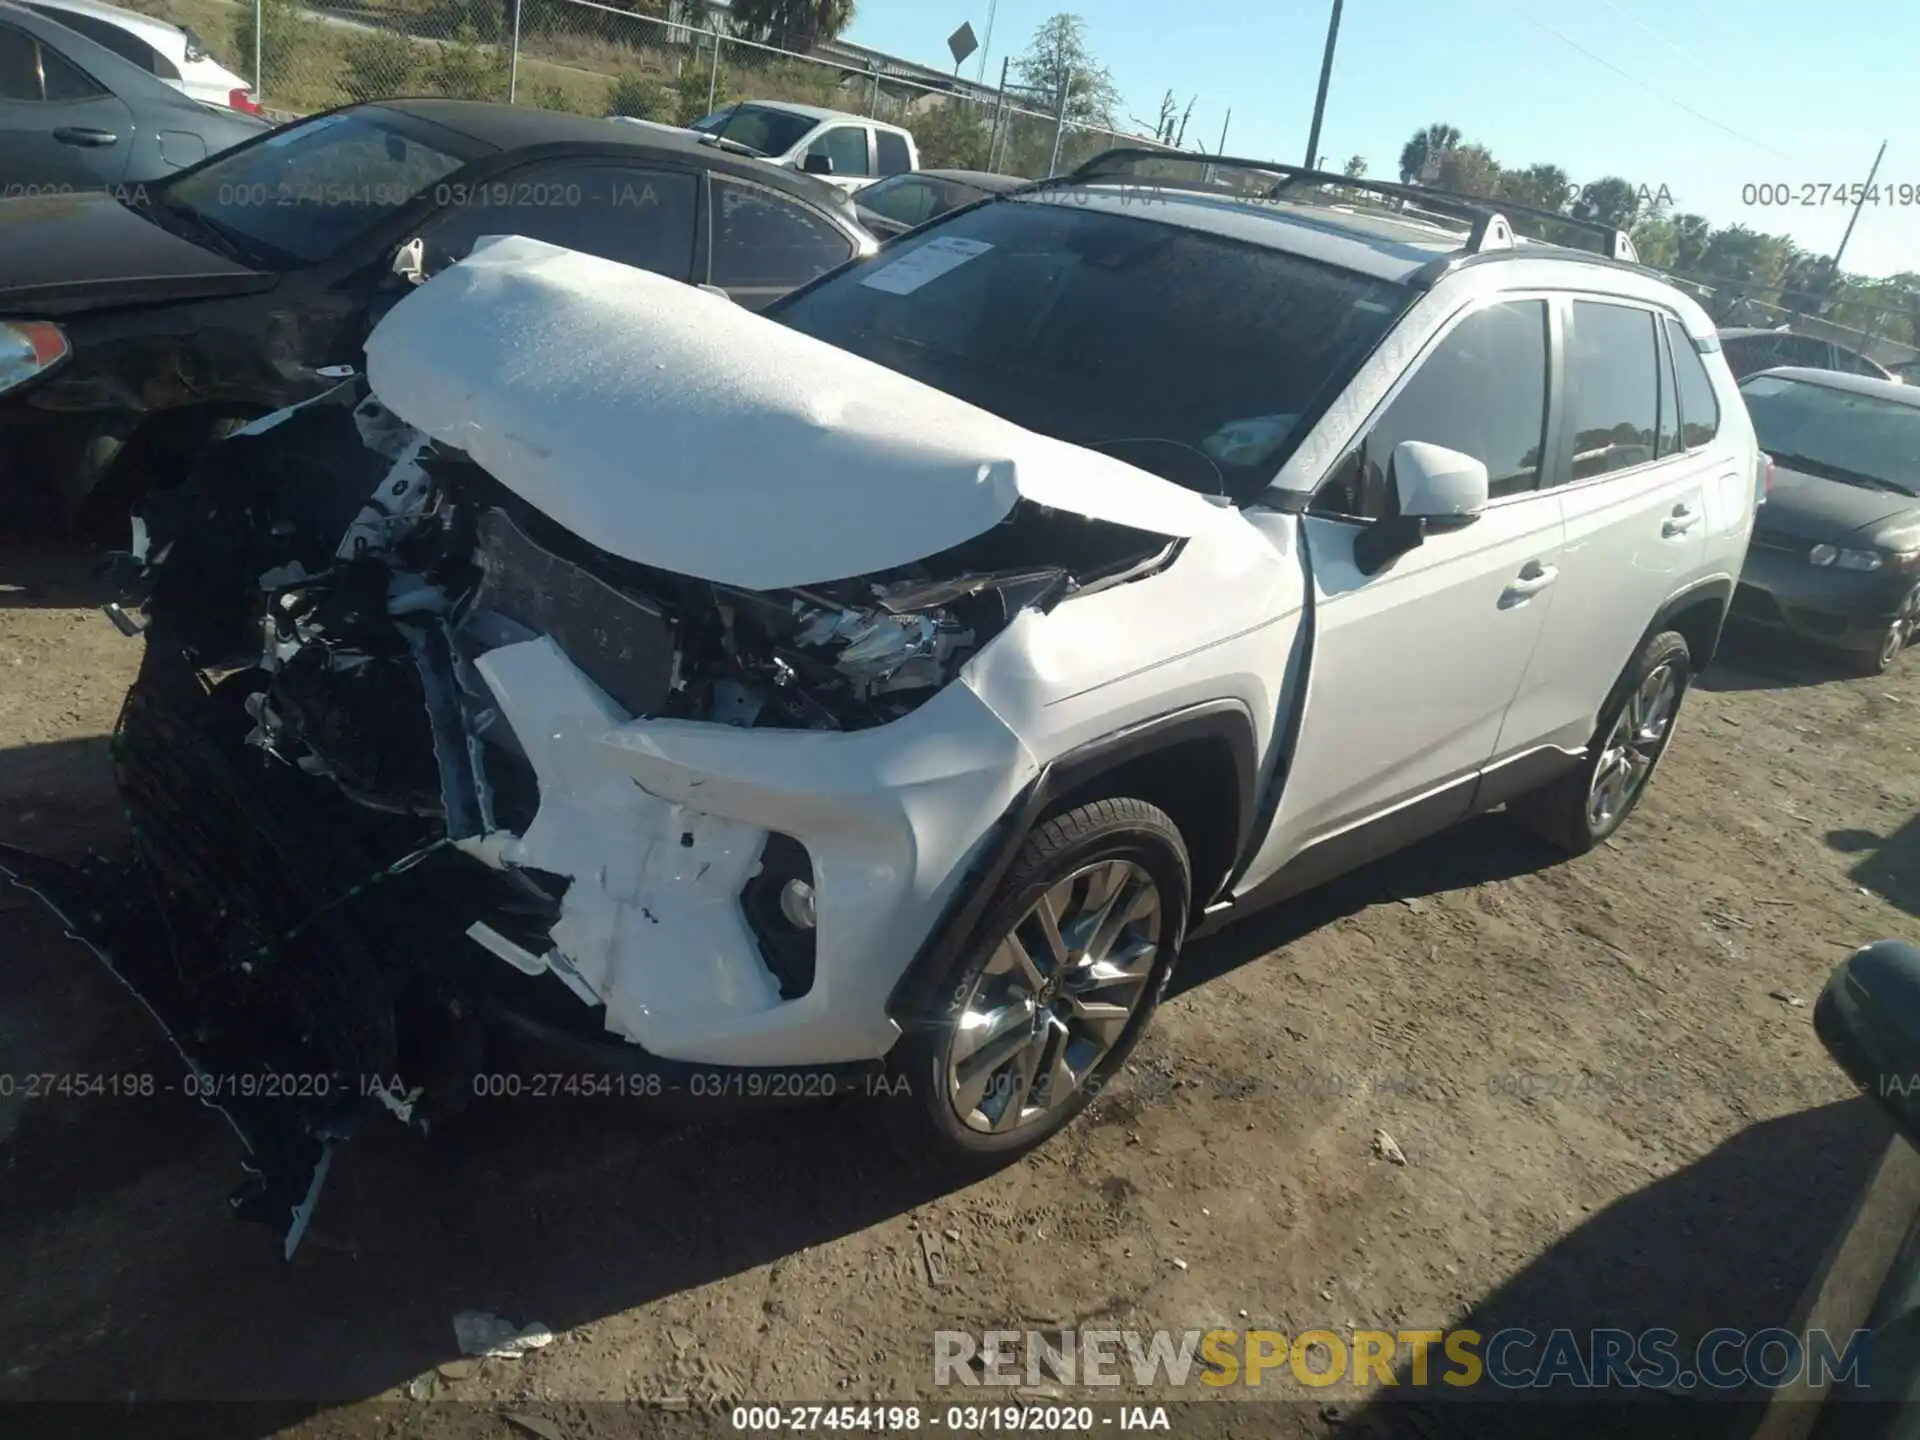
(333, 813)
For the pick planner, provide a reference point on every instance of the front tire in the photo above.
(1060, 980)
(1899, 634)
(1581, 808)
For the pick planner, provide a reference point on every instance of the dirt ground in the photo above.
(1602, 1074)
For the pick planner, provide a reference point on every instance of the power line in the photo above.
(1655, 91)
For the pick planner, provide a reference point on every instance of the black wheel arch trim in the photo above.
(1718, 587)
(1217, 721)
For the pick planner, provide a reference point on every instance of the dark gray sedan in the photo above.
(75, 117)
(1835, 556)
(903, 202)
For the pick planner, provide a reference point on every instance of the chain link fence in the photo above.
(598, 59)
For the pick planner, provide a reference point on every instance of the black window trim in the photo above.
(1670, 373)
(1564, 459)
(1550, 423)
(1673, 322)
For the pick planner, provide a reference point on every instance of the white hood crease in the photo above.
(668, 426)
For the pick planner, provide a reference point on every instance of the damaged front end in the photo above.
(341, 895)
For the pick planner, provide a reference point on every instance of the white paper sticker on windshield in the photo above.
(929, 262)
(1767, 385)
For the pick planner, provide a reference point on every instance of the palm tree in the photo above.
(1426, 143)
(791, 24)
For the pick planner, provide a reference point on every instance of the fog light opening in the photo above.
(796, 904)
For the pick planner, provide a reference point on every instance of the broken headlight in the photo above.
(861, 653)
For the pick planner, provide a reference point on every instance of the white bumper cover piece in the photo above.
(660, 823)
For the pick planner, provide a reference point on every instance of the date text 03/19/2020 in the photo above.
(959, 1419)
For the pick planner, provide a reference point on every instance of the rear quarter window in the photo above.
(1699, 406)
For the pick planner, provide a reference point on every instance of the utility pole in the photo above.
(987, 43)
(1854, 218)
(1223, 131)
(1326, 74)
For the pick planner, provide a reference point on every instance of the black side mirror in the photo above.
(1868, 1017)
(815, 163)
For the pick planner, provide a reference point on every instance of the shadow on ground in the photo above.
(1734, 1239)
(137, 1284)
(1890, 865)
(52, 574)
(1759, 660)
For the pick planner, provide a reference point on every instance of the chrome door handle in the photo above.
(1532, 579)
(1683, 519)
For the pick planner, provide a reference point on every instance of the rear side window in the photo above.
(123, 43)
(1613, 387)
(1699, 406)
(911, 202)
(19, 65)
(894, 159)
(765, 244)
(65, 81)
(1482, 391)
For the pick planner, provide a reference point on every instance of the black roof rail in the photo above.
(1489, 227)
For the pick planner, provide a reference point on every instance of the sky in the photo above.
(1702, 97)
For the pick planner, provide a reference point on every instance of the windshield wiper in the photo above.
(1827, 470)
(736, 147)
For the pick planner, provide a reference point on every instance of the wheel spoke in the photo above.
(1020, 963)
(1046, 917)
(1132, 901)
(1019, 1085)
(978, 1030)
(1102, 1019)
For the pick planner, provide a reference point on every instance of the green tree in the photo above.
(952, 136)
(1057, 62)
(791, 24)
(1425, 144)
(287, 32)
(1611, 201)
(642, 97)
(464, 69)
(1355, 168)
(1545, 187)
(698, 83)
(377, 63)
(1468, 170)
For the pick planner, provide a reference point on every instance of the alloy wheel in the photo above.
(1055, 997)
(1633, 745)
(1900, 633)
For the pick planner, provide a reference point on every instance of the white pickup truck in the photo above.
(846, 150)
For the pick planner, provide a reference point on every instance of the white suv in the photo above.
(896, 681)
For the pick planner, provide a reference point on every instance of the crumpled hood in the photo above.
(668, 426)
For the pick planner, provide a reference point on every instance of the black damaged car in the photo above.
(1835, 554)
(139, 324)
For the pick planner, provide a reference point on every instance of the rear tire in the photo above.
(1576, 811)
(1050, 996)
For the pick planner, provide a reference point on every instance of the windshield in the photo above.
(1188, 355)
(1859, 439)
(771, 132)
(306, 191)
